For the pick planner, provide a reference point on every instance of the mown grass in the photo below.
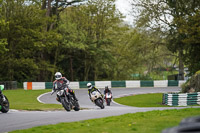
(142, 122)
(143, 100)
(27, 100)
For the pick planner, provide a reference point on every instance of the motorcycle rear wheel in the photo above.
(99, 102)
(5, 106)
(65, 104)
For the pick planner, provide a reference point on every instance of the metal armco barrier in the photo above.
(181, 99)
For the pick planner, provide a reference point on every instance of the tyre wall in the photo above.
(111, 84)
(181, 99)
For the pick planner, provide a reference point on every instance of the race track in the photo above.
(14, 120)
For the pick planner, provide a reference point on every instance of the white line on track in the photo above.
(38, 98)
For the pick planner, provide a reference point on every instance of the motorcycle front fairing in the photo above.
(95, 95)
(108, 95)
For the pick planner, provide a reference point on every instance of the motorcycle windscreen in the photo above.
(58, 85)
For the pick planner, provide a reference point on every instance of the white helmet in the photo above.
(89, 85)
(58, 75)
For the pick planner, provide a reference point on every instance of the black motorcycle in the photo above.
(4, 103)
(66, 99)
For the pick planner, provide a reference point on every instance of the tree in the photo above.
(190, 29)
(85, 32)
(27, 42)
(163, 15)
(3, 29)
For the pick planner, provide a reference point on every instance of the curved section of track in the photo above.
(14, 120)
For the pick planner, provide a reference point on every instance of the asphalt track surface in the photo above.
(15, 120)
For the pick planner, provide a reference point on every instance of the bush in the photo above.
(193, 84)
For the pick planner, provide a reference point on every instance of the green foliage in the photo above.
(84, 41)
(85, 32)
(193, 84)
(178, 21)
(3, 29)
(28, 42)
(190, 29)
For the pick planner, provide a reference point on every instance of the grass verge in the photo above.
(27, 100)
(142, 122)
(143, 100)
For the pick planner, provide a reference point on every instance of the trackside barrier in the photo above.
(48, 85)
(146, 83)
(111, 84)
(83, 84)
(118, 83)
(74, 85)
(160, 83)
(173, 82)
(130, 84)
(9, 85)
(102, 84)
(38, 85)
(181, 99)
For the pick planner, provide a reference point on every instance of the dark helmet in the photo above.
(106, 87)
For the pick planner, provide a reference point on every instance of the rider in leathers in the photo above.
(65, 82)
(107, 90)
(91, 89)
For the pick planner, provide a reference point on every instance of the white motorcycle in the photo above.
(97, 98)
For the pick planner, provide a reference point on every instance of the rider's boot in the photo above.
(75, 98)
(73, 94)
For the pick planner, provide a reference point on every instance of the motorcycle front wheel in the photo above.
(108, 101)
(5, 106)
(77, 107)
(99, 102)
(65, 104)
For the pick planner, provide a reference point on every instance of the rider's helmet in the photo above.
(106, 87)
(58, 75)
(89, 85)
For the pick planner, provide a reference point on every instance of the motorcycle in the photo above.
(66, 99)
(108, 98)
(97, 98)
(4, 103)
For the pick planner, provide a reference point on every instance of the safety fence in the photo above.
(9, 85)
(110, 84)
(181, 99)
